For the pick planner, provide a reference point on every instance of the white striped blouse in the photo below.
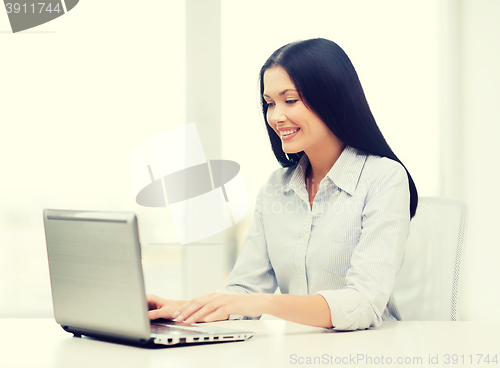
(347, 248)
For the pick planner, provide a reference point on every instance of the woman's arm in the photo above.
(310, 310)
(253, 272)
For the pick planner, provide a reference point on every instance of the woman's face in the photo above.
(299, 128)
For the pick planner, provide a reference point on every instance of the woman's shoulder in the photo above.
(355, 159)
(382, 163)
(377, 168)
(281, 176)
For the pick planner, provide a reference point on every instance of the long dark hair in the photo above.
(329, 85)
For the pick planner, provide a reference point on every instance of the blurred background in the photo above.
(78, 93)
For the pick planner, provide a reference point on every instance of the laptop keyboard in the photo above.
(174, 330)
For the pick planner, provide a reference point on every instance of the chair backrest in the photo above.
(426, 287)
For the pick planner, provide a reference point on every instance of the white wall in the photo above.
(480, 110)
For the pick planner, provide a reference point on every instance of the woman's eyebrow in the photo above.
(282, 92)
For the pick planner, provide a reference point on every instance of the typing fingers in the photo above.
(201, 306)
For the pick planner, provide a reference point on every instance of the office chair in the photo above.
(426, 287)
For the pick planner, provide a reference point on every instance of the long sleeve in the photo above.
(376, 258)
(253, 272)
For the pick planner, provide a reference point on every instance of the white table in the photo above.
(277, 343)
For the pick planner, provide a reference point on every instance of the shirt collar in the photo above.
(347, 169)
(344, 173)
(298, 177)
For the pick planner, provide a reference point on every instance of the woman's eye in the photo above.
(270, 104)
(291, 102)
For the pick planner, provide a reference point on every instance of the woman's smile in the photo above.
(288, 134)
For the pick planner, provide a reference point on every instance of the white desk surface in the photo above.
(277, 343)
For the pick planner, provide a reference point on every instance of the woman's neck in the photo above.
(321, 162)
(319, 165)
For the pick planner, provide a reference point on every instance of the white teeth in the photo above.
(288, 132)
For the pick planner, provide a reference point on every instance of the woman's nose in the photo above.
(277, 115)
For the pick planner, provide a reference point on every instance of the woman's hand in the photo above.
(162, 308)
(218, 306)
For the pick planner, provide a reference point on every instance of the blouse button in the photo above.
(305, 237)
(337, 192)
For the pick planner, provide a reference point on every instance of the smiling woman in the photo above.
(332, 236)
(299, 128)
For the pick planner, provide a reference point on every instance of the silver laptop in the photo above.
(98, 286)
